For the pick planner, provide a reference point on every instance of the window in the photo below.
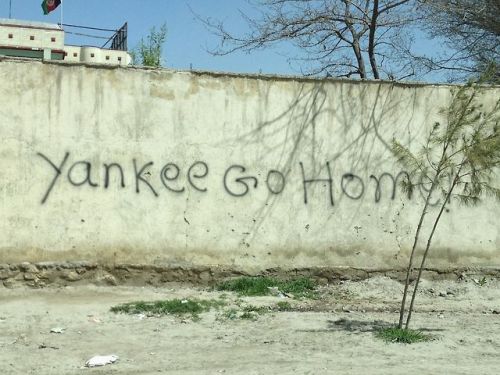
(32, 37)
(11, 36)
(107, 57)
(119, 59)
(92, 55)
(52, 39)
(75, 54)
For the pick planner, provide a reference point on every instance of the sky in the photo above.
(188, 41)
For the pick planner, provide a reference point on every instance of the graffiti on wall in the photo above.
(236, 180)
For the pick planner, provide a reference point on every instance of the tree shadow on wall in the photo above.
(331, 121)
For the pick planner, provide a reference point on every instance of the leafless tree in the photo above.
(343, 38)
(470, 30)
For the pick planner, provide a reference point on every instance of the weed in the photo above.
(168, 307)
(256, 309)
(248, 286)
(284, 306)
(401, 335)
(482, 282)
(302, 287)
(230, 314)
(260, 286)
(248, 315)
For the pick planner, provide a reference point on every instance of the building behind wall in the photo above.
(40, 40)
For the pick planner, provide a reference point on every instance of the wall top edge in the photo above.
(218, 74)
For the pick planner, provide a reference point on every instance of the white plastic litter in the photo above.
(57, 330)
(141, 316)
(101, 360)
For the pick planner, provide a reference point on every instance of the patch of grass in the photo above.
(230, 314)
(256, 309)
(259, 286)
(284, 306)
(302, 287)
(404, 336)
(248, 286)
(252, 312)
(168, 307)
(248, 315)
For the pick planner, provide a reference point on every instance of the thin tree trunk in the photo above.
(371, 40)
(412, 254)
(438, 217)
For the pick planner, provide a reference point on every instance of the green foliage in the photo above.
(168, 307)
(256, 309)
(462, 154)
(230, 314)
(149, 51)
(260, 286)
(248, 286)
(248, 316)
(459, 160)
(284, 306)
(401, 335)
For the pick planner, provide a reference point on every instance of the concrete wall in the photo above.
(216, 170)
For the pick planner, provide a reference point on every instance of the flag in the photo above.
(49, 5)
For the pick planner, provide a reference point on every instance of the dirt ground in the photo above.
(331, 335)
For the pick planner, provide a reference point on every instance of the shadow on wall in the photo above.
(340, 127)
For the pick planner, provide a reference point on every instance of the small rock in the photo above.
(442, 294)
(29, 276)
(46, 265)
(322, 281)
(6, 274)
(205, 276)
(496, 312)
(8, 284)
(28, 267)
(70, 276)
(106, 279)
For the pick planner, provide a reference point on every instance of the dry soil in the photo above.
(331, 335)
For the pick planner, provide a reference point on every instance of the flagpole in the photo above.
(62, 8)
(10, 9)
